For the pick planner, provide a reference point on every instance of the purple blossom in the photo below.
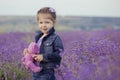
(52, 10)
(88, 55)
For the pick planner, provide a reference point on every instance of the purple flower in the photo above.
(52, 10)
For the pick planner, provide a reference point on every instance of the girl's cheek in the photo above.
(39, 26)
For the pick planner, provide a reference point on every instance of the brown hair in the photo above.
(47, 10)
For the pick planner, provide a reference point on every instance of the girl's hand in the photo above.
(25, 51)
(38, 57)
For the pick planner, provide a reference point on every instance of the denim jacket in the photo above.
(50, 48)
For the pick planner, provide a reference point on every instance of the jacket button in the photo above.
(47, 44)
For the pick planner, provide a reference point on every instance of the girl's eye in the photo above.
(47, 22)
(40, 22)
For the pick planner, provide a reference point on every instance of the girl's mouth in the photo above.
(44, 29)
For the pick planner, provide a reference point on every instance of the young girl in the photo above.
(50, 45)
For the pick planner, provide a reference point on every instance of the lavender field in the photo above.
(88, 55)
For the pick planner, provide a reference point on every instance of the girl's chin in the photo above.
(45, 32)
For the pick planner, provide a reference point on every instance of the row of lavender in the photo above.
(88, 55)
(11, 47)
(92, 55)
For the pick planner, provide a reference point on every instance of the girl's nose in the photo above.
(43, 24)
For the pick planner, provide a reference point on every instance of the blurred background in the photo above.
(89, 30)
(20, 15)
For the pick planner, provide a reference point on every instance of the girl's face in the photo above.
(45, 22)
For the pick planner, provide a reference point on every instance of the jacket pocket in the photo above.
(48, 47)
(48, 43)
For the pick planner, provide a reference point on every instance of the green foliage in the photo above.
(12, 71)
(1, 73)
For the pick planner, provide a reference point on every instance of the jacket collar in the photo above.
(52, 30)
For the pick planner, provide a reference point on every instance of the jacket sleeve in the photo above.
(57, 49)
